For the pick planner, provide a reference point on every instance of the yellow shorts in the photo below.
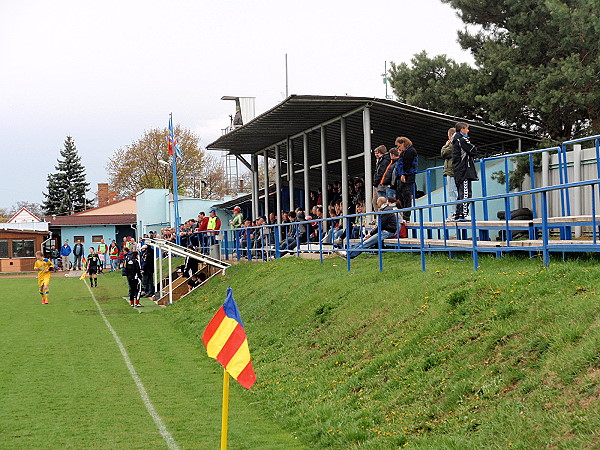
(44, 281)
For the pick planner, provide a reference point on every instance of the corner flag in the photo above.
(225, 340)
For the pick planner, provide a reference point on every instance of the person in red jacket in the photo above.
(201, 230)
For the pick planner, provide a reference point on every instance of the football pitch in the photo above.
(89, 371)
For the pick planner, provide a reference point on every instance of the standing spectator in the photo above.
(113, 252)
(102, 249)
(382, 160)
(386, 188)
(54, 254)
(65, 251)
(134, 278)
(446, 154)
(212, 227)
(238, 218)
(92, 266)
(147, 270)
(201, 230)
(77, 255)
(406, 172)
(463, 163)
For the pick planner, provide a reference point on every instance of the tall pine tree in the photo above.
(67, 188)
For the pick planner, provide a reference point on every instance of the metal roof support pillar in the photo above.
(254, 186)
(344, 157)
(324, 198)
(367, 155)
(306, 169)
(290, 167)
(278, 182)
(266, 162)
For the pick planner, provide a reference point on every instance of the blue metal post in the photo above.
(248, 245)
(484, 188)
(379, 243)
(474, 237)
(422, 241)
(226, 245)
(348, 231)
(566, 169)
(429, 193)
(320, 225)
(594, 225)
(597, 142)
(545, 249)
(277, 231)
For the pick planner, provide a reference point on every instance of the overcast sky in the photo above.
(103, 72)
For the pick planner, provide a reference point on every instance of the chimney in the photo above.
(103, 197)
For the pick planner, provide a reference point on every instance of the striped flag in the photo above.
(225, 340)
(172, 139)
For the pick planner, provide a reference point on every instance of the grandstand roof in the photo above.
(299, 114)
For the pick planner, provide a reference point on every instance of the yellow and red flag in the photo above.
(225, 340)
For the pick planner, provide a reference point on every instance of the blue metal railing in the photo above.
(264, 242)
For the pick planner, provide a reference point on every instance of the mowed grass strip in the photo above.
(63, 381)
(504, 357)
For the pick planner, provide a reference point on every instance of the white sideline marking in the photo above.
(138, 382)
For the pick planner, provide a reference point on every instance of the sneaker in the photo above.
(341, 253)
(463, 219)
(139, 305)
(451, 218)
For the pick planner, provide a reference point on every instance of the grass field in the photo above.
(505, 357)
(64, 383)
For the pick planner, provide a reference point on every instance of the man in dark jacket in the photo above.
(406, 172)
(389, 225)
(147, 270)
(463, 163)
(78, 254)
(446, 154)
(382, 161)
(134, 278)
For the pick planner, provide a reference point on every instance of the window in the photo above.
(97, 238)
(23, 249)
(78, 238)
(3, 249)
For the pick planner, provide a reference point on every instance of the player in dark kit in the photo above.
(92, 266)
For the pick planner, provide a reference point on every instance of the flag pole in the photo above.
(225, 413)
(175, 188)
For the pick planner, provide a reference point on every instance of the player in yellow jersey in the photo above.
(43, 266)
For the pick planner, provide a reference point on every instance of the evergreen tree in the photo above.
(537, 67)
(67, 188)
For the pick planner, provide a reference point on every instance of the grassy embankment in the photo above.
(508, 356)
